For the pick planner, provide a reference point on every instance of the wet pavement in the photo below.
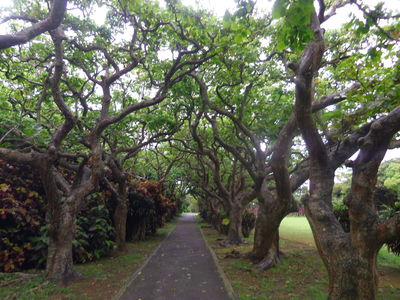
(182, 268)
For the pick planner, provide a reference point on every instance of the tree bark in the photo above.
(120, 194)
(61, 229)
(350, 259)
(265, 252)
(60, 217)
(52, 21)
(235, 235)
(120, 217)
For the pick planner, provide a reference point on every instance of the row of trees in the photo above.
(24, 233)
(234, 110)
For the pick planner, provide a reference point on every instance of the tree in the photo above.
(242, 97)
(388, 175)
(105, 66)
(349, 259)
(51, 22)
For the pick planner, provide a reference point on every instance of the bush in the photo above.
(21, 216)
(95, 234)
(24, 239)
(148, 210)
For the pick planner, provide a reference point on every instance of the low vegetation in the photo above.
(102, 278)
(301, 275)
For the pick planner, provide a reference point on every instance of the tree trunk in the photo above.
(351, 268)
(61, 228)
(235, 235)
(266, 238)
(120, 217)
(60, 217)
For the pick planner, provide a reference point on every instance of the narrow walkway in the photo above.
(181, 269)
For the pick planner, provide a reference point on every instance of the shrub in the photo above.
(148, 209)
(24, 239)
(95, 234)
(94, 237)
(21, 215)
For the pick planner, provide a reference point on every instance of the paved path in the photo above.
(181, 269)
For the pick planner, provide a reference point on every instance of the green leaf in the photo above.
(279, 8)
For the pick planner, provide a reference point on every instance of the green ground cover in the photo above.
(298, 229)
(103, 278)
(301, 275)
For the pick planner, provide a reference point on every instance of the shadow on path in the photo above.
(182, 268)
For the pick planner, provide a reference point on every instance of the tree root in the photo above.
(227, 242)
(270, 261)
(23, 277)
(19, 294)
(233, 254)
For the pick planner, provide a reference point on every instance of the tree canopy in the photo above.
(232, 110)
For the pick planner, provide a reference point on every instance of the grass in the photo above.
(301, 275)
(104, 278)
(298, 229)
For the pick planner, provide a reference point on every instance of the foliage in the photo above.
(21, 216)
(389, 174)
(94, 231)
(24, 238)
(293, 31)
(111, 272)
(148, 210)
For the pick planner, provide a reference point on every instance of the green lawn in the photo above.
(301, 274)
(297, 229)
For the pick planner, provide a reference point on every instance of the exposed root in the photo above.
(20, 294)
(270, 261)
(23, 277)
(228, 242)
(233, 254)
(71, 278)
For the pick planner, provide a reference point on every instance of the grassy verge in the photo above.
(298, 229)
(301, 275)
(105, 277)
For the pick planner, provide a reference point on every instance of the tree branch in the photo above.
(52, 21)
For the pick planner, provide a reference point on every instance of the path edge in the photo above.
(225, 280)
(139, 270)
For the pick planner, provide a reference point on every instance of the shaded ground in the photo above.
(105, 277)
(182, 268)
(301, 275)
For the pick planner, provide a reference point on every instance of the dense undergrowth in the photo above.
(104, 278)
(23, 230)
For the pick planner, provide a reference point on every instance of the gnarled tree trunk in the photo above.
(235, 235)
(265, 250)
(120, 217)
(61, 228)
(61, 215)
(350, 259)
